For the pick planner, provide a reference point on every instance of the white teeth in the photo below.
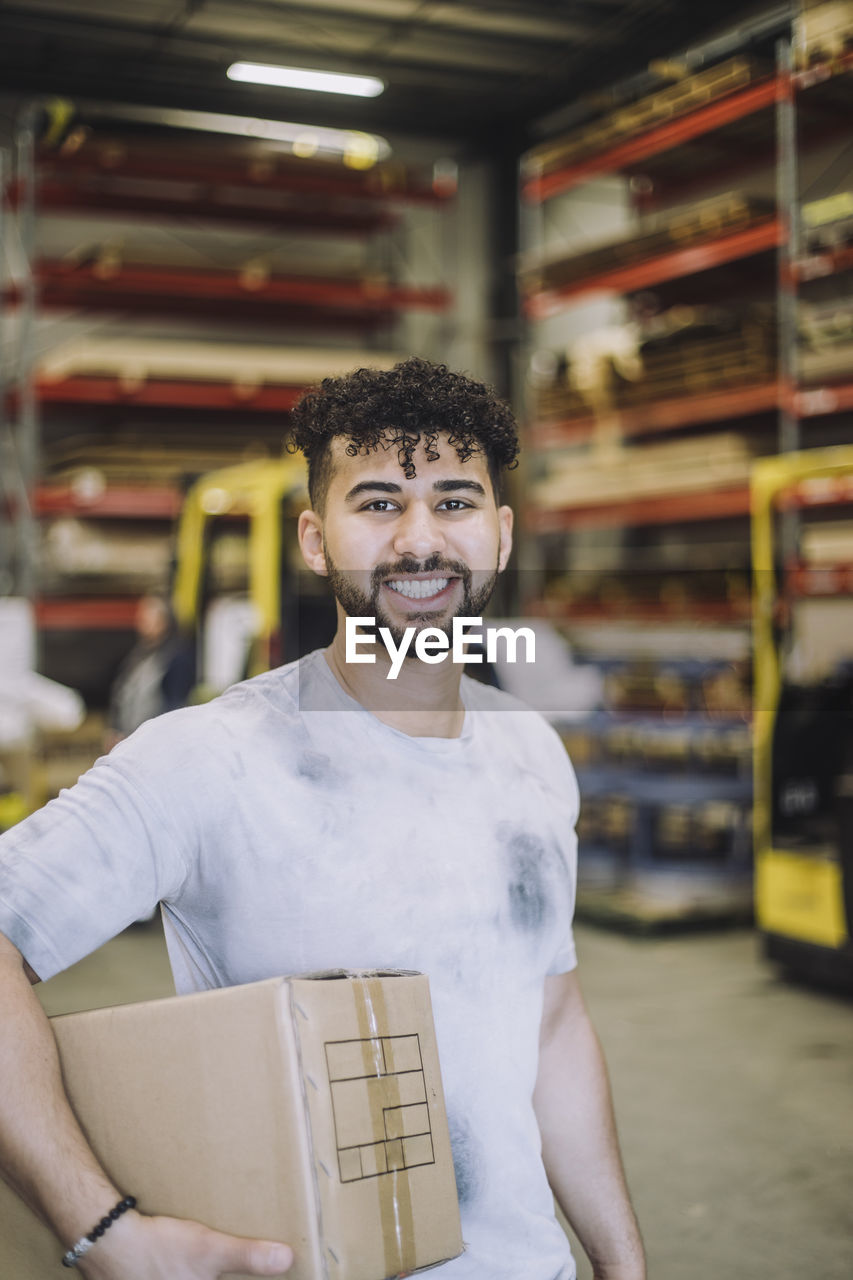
(419, 589)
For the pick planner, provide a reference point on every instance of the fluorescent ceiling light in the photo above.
(299, 78)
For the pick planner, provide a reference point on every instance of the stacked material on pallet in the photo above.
(685, 829)
(829, 364)
(659, 233)
(91, 557)
(828, 223)
(826, 342)
(133, 361)
(87, 555)
(704, 464)
(822, 32)
(705, 348)
(89, 466)
(659, 849)
(683, 351)
(640, 592)
(641, 729)
(673, 692)
(710, 830)
(686, 95)
(827, 544)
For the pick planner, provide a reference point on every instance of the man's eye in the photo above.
(454, 504)
(379, 504)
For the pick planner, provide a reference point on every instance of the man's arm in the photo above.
(45, 1157)
(579, 1144)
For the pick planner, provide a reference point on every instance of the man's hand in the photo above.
(137, 1247)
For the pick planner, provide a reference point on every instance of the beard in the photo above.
(358, 604)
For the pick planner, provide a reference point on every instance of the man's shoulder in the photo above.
(523, 722)
(521, 732)
(479, 696)
(278, 689)
(272, 695)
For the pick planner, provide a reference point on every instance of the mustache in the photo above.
(407, 564)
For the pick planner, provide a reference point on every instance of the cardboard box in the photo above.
(308, 1110)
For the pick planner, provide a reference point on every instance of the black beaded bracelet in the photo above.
(84, 1244)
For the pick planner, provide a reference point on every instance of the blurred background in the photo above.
(636, 221)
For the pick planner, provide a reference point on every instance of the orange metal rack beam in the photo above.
(68, 195)
(163, 393)
(119, 501)
(821, 491)
(62, 285)
(768, 234)
(663, 138)
(827, 263)
(97, 614)
(708, 611)
(262, 174)
(664, 415)
(819, 580)
(641, 511)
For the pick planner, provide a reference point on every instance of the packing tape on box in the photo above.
(395, 1196)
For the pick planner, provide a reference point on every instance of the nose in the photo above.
(418, 533)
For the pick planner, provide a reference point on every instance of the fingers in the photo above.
(254, 1257)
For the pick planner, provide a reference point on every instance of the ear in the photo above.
(505, 524)
(310, 534)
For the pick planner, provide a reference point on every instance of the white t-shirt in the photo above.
(282, 839)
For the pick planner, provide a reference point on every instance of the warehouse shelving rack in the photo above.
(673, 265)
(19, 428)
(769, 234)
(665, 137)
(804, 884)
(627, 894)
(783, 397)
(128, 176)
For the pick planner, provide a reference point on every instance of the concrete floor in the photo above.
(734, 1092)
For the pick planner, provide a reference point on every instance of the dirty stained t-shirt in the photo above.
(285, 829)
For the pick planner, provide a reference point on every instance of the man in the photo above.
(156, 676)
(326, 816)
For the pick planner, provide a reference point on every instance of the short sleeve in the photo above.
(567, 807)
(95, 859)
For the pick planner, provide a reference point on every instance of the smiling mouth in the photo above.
(419, 588)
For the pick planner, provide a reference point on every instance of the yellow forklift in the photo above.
(803, 744)
(239, 584)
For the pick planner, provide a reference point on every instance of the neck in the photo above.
(423, 701)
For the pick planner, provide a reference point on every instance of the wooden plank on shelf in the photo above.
(212, 164)
(664, 137)
(664, 415)
(681, 227)
(158, 393)
(99, 197)
(675, 509)
(763, 236)
(187, 373)
(685, 95)
(133, 285)
(654, 471)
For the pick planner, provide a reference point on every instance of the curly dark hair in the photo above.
(398, 408)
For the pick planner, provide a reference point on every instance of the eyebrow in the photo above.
(387, 486)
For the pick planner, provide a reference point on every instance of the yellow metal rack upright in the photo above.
(803, 727)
